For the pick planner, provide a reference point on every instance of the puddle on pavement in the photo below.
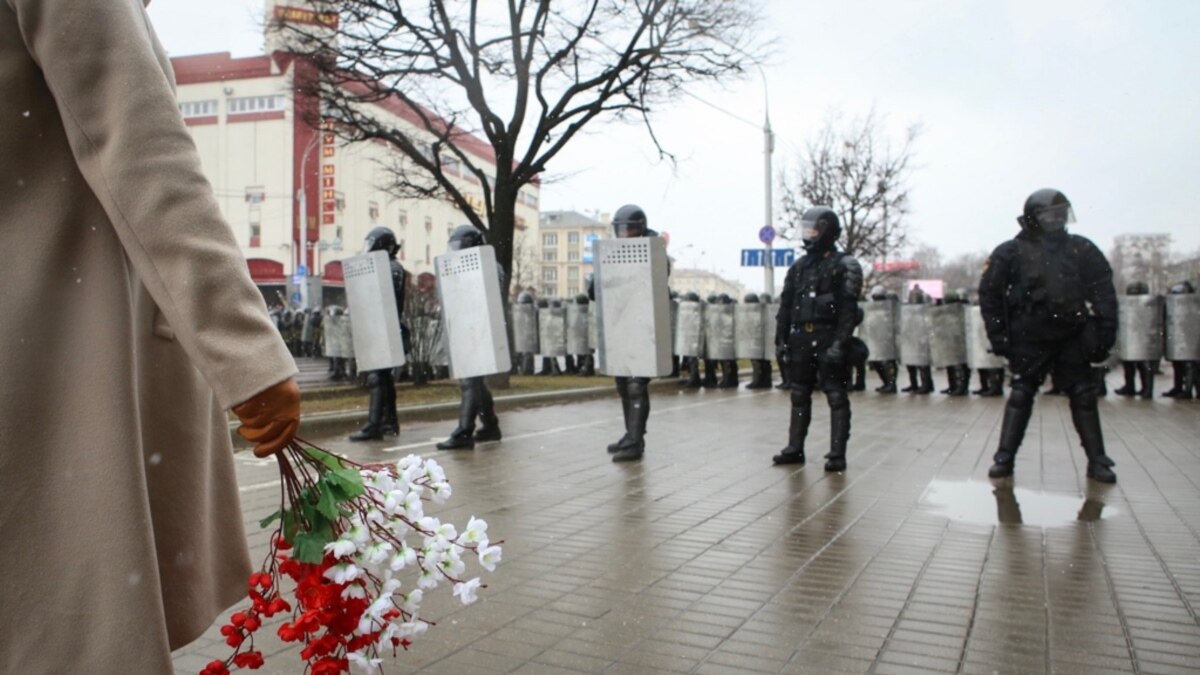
(987, 504)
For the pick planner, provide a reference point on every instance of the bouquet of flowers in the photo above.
(360, 552)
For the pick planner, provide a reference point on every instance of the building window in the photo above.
(373, 212)
(402, 249)
(403, 219)
(550, 291)
(198, 108)
(572, 289)
(426, 254)
(550, 239)
(428, 224)
(572, 256)
(549, 274)
(255, 235)
(572, 237)
(256, 104)
(549, 255)
(572, 274)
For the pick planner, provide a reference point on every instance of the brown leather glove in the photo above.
(270, 418)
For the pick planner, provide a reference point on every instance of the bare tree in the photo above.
(1141, 257)
(855, 170)
(524, 264)
(524, 75)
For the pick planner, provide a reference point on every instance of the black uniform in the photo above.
(381, 416)
(1049, 305)
(817, 313)
(476, 401)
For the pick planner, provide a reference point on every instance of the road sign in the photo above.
(766, 235)
(757, 257)
(301, 270)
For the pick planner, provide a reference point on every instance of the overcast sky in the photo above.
(1098, 98)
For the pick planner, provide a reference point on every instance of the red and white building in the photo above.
(298, 200)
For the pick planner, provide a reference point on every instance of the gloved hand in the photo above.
(271, 417)
(835, 355)
(1000, 346)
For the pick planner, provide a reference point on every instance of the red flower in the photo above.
(330, 666)
(251, 660)
(235, 640)
(238, 619)
(289, 633)
(215, 668)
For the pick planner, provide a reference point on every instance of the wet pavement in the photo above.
(704, 558)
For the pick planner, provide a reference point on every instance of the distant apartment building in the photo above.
(562, 253)
(705, 283)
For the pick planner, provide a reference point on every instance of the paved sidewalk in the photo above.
(705, 558)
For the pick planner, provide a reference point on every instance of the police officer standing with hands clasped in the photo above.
(1049, 306)
(817, 314)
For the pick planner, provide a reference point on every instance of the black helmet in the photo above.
(629, 221)
(525, 298)
(691, 296)
(878, 292)
(556, 303)
(711, 299)
(1047, 210)
(819, 228)
(764, 297)
(543, 303)
(1182, 288)
(581, 299)
(465, 236)
(1137, 288)
(381, 239)
(750, 297)
(724, 299)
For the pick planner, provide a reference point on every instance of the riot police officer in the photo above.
(476, 398)
(1134, 368)
(525, 334)
(1049, 305)
(817, 313)
(381, 416)
(729, 367)
(1183, 343)
(628, 222)
(692, 363)
(880, 334)
(760, 369)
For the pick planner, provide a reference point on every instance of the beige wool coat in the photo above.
(128, 325)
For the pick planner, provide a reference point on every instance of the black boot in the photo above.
(889, 384)
(376, 412)
(766, 374)
(755, 375)
(1017, 412)
(839, 431)
(1146, 372)
(912, 380)
(710, 374)
(877, 368)
(860, 378)
(801, 416)
(623, 390)
(951, 381)
(693, 369)
(995, 385)
(462, 436)
(639, 414)
(1130, 387)
(962, 384)
(983, 382)
(785, 378)
(926, 373)
(1086, 417)
(1191, 381)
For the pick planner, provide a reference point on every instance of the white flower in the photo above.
(429, 578)
(476, 532)
(367, 624)
(466, 590)
(379, 480)
(404, 557)
(342, 573)
(359, 533)
(411, 629)
(441, 492)
(406, 462)
(489, 556)
(445, 533)
(362, 660)
(434, 472)
(414, 509)
(374, 515)
(355, 591)
(391, 586)
(377, 553)
(412, 602)
(382, 605)
(452, 564)
(342, 547)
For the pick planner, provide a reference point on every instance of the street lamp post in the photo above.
(302, 198)
(768, 149)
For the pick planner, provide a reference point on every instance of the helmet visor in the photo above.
(368, 245)
(629, 229)
(1055, 218)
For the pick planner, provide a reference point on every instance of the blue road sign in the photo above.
(301, 271)
(757, 257)
(766, 235)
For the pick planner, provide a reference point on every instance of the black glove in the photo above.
(1000, 346)
(835, 355)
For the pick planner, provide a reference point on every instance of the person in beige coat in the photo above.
(128, 326)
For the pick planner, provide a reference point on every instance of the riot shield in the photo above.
(1183, 327)
(689, 329)
(633, 307)
(552, 331)
(472, 319)
(577, 329)
(947, 335)
(914, 336)
(333, 346)
(525, 330)
(979, 355)
(749, 323)
(880, 327)
(769, 311)
(346, 336)
(438, 340)
(719, 332)
(1140, 327)
(593, 329)
(377, 342)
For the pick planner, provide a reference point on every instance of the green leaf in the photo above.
(330, 460)
(348, 482)
(270, 519)
(327, 504)
(310, 547)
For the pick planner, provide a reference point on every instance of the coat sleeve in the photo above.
(1099, 290)
(783, 318)
(114, 89)
(993, 292)
(847, 293)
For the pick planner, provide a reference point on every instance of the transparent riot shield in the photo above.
(947, 335)
(749, 323)
(880, 327)
(914, 335)
(376, 336)
(1140, 327)
(1183, 327)
(472, 318)
(979, 354)
(633, 307)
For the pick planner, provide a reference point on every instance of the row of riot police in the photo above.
(720, 331)
(301, 330)
(1151, 327)
(553, 329)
